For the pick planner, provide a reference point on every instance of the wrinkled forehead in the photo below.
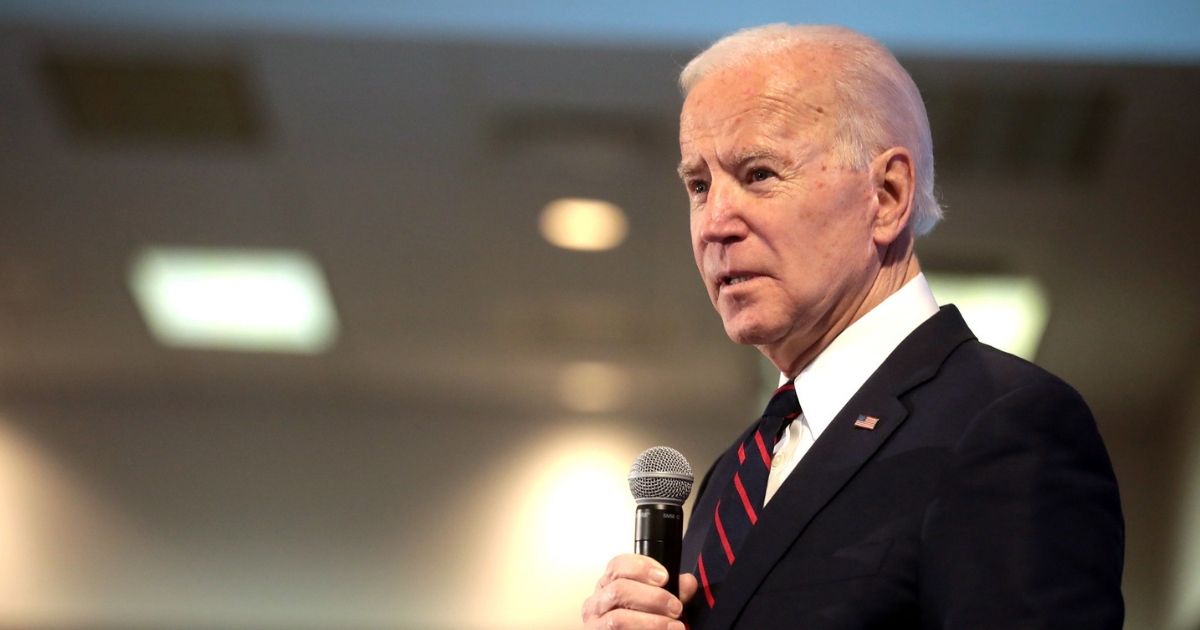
(779, 95)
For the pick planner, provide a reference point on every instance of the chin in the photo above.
(750, 333)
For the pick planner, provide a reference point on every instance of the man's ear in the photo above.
(894, 177)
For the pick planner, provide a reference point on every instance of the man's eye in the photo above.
(760, 174)
(697, 186)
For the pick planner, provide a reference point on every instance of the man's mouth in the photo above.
(732, 279)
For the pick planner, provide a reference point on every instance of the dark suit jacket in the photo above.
(983, 498)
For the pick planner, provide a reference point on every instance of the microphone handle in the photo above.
(658, 533)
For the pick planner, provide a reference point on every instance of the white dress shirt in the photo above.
(828, 382)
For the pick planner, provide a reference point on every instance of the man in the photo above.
(926, 480)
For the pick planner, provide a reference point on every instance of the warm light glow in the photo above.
(583, 224)
(55, 534)
(557, 521)
(254, 300)
(1008, 312)
(18, 534)
(1183, 595)
(592, 387)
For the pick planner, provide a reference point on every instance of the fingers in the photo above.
(629, 595)
(633, 620)
(625, 594)
(687, 587)
(631, 566)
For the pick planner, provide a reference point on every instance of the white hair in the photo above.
(881, 106)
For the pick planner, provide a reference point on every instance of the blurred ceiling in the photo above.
(414, 171)
(1152, 30)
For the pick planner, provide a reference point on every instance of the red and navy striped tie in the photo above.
(737, 511)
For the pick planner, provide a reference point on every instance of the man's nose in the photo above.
(724, 221)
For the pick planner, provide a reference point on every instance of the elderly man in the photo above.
(904, 475)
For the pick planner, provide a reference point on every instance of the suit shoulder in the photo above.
(980, 387)
(988, 370)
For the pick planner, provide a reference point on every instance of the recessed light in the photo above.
(583, 224)
(593, 387)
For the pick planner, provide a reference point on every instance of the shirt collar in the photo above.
(828, 382)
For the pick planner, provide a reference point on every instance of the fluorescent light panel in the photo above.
(1008, 312)
(234, 299)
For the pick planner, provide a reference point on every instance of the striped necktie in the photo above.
(737, 510)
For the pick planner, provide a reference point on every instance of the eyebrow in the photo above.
(689, 168)
(754, 153)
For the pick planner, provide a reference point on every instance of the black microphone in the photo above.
(660, 480)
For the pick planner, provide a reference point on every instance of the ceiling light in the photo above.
(592, 387)
(1008, 312)
(234, 299)
(583, 224)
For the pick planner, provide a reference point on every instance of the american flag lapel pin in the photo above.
(866, 422)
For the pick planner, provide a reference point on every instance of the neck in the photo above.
(898, 265)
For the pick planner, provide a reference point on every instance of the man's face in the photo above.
(781, 230)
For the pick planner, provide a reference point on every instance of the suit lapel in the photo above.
(836, 457)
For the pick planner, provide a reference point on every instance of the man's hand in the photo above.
(630, 596)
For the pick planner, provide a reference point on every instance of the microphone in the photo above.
(660, 480)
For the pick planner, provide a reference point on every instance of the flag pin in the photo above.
(866, 422)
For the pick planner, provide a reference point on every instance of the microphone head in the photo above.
(660, 474)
